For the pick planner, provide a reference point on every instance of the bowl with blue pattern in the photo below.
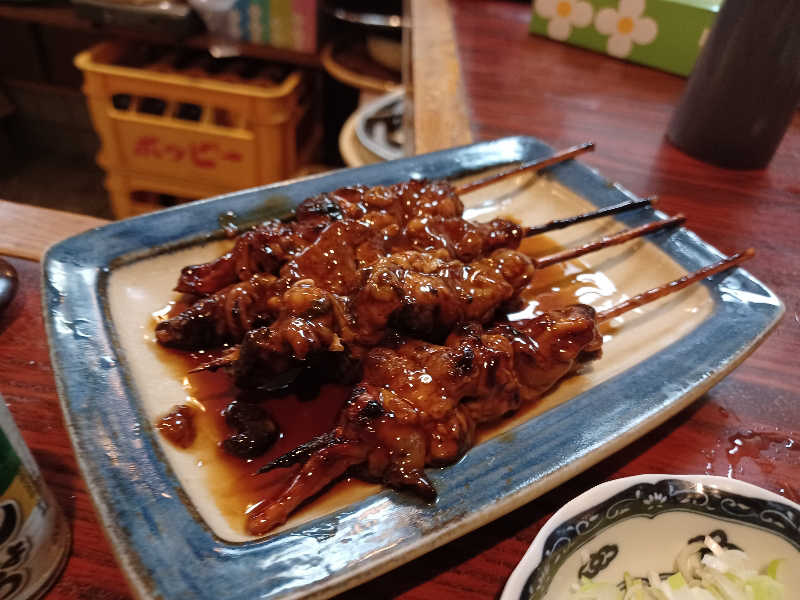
(637, 526)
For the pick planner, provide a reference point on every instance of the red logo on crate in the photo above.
(205, 155)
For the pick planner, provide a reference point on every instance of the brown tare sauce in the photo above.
(232, 481)
(178, 426)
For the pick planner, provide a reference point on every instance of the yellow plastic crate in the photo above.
(135, 194)
(189, 130)
(132, 194)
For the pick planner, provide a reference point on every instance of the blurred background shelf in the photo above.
(63, 16)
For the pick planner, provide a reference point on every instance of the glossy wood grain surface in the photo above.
(29, 230)
(436, 79)
(747, 427)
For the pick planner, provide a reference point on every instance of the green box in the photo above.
(666, 34)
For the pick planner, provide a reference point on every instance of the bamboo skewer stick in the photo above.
(605, 242)
(535, 165)
(588, 216)
(675, 285)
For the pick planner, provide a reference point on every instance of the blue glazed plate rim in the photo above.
(150, 523)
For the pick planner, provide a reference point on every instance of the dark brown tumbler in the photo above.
(745, 87)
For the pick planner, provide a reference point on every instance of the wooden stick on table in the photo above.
(440, 109)
(36, 229)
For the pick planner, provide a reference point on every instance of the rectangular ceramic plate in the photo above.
(99, 288)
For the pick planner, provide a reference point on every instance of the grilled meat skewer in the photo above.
(267, 247)
(337, 262)
(431, 210)
(419, 403)
(418, 293)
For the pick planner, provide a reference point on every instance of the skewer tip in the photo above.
(536, 165)
(611, 240)
(679, 218)
(675, 285)
(588, 216)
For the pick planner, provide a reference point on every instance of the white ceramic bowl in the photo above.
(639, 524)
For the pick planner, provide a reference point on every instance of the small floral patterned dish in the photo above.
(638, 525)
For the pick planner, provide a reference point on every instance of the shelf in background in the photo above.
(64, 16)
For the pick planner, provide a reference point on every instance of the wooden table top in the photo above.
(514, 84)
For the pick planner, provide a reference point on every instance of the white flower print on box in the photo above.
(563, 15)
(625, 27)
